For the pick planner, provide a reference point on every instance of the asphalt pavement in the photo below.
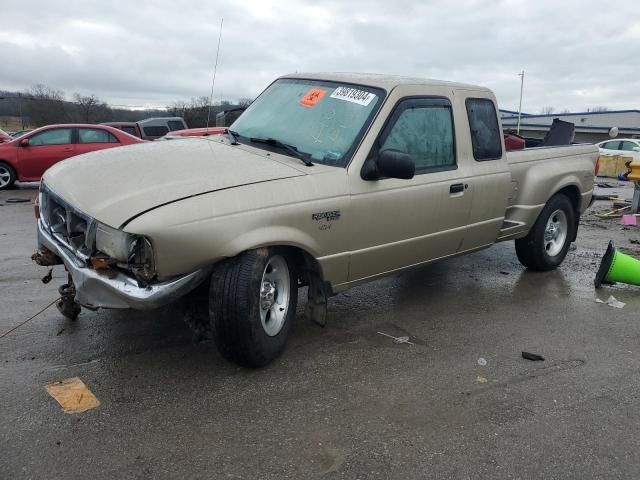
(344, 401)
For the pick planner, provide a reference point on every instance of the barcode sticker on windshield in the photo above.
(361, 97)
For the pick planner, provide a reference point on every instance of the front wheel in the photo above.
(252, 302)
(547, 243)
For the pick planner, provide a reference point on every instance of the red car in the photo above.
(26, 158)
(5, 137)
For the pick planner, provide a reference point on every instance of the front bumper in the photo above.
(95, 290)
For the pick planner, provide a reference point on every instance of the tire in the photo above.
(7, 176)
(547, 243)
(249, 325)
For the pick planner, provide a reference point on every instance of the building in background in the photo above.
(591, 127)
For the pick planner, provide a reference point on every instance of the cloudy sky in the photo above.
(576, 53)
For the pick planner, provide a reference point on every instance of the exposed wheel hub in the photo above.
(268, 293)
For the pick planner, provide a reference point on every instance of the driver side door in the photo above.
(399, 223)
(45, 149)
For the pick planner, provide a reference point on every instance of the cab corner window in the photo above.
(485, 132)
(423, 128)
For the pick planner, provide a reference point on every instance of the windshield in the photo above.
(323, 119)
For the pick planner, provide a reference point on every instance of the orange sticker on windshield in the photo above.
(312, 97)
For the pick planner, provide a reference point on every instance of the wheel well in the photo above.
(573, 194)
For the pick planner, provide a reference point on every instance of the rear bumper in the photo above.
(95, 290)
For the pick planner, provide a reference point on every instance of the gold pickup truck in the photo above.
(325, 181)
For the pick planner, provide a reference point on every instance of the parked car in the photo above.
(131, 128)
(21, 133)
(4, 136)
(26, 158)
(326, 180)
(629, 147)
(150, 128)
(153, 128)
(195, 132)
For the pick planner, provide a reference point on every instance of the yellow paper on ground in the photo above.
(72, 395)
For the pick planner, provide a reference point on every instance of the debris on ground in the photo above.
(634, 240)
(403, 339)
(612, 302)
(72, 395)
(534, 357)
(504, 272)
(480, 380)
(482, 361)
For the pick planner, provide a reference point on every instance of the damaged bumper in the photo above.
(95, 290)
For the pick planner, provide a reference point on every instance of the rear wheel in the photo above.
(252, 302)
(547, 243)
(7, 176)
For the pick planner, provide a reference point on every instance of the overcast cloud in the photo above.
(576, 54)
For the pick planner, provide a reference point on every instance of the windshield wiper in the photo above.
(290, 149)
(233, 136)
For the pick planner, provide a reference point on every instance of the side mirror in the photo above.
(389, 164)
(24, 142)
(636, 149)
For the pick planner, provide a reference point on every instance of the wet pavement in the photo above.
(344, 401)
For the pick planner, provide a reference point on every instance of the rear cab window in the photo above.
(155, 131)
(486, 138)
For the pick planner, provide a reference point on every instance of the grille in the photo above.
(67, 225)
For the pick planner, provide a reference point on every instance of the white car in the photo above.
(629, 147)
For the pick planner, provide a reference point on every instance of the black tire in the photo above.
(7, 176)
(537, 253)
(235, 307)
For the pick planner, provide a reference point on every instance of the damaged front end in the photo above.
(108, 268)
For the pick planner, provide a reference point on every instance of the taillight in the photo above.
(597, 166)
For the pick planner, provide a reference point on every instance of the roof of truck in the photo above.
(388, 82)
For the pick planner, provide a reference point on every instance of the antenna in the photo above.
(521, 75)
(213, 82)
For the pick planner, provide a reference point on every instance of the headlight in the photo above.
(115, 243)
(133, 252)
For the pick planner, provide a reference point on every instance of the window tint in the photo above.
(485, 132)
(425, 133)
(611, 145)
(94, 135)
(155, 131)
(129, 130)
(628, 146)
(55, 136)
(175, 125)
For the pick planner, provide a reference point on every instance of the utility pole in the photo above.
(521, 75)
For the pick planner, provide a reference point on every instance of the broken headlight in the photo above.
(131, 252)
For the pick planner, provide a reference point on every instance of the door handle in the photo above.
(68, 149)
(457, 188)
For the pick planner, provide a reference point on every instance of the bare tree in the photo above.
(597, 109)
(244, 102)
(547, 110)
(90, 108)
(44, 105)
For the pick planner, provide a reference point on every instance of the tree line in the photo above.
(42, 105)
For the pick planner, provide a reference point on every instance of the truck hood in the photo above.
(117, 184)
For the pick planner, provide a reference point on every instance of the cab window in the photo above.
(423, 128)
(55, 136)
(486, 138)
